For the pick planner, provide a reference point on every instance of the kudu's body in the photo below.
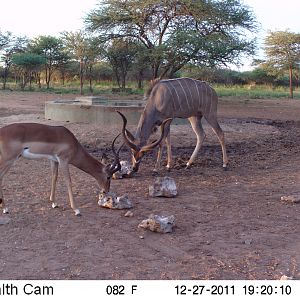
(177, 98)
(60, 146)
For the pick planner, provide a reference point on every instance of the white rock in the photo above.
(291, 199)
(284, 277)
(110, 200)
(163, 187)
(162, 224)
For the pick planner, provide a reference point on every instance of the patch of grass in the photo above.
(105, 87)
(254, 92)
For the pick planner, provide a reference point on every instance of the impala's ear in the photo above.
(104, 158)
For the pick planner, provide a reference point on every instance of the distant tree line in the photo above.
(140, 40)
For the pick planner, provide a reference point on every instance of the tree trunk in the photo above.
(90, 79)
(5, 75)
(291, 82)
(81, 76)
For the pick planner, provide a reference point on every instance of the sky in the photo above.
(36, 17)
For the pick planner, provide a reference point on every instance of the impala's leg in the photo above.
(3, 170)
(200, 134)
(54, 172)
(67, 176)
(220, 134)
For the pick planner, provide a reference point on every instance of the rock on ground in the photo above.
(110, 200)
(163, 187)
(162, 224)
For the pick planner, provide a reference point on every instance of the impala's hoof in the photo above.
(5, 210)
(77, 213)
(225, 167)
(188, 167)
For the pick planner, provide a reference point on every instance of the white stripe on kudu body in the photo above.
(179, 98)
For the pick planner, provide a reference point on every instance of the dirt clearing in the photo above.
(229, 225)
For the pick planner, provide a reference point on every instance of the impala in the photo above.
(60, 146)
(175, 98)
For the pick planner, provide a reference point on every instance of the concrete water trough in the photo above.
(94, 110)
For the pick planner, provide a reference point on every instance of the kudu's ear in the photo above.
(151, 146)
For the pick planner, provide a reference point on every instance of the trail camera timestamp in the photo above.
(268, 290)
(203, 289)
(237, 290)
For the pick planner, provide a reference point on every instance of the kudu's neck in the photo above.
(145, 125)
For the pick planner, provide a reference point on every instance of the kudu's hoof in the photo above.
(187, 167)
(129, 175)
(225, 168)
(54, 205)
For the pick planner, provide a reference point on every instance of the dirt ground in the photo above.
(229, 224)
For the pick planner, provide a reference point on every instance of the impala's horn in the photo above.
(127, 136)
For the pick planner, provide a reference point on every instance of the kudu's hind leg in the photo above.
(200, 134)
(220, 134)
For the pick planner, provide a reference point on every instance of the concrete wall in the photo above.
(79, 112)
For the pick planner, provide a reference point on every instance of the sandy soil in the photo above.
(229, 225)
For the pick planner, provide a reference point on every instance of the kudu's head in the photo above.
(139, 151)
(110, 169)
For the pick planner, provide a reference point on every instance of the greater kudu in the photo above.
(175, 98)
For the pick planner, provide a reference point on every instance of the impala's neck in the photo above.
(87, 163)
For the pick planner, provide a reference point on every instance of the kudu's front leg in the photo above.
(200, 134)
(167, 139)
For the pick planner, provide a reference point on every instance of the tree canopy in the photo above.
(174, 33)
(282, 50)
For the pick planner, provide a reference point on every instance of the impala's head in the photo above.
(138, 150)
(110, 169)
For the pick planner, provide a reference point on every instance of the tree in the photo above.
(94, 52)
(28, 63)
(282, 49)
(5, 38)
(178, 32)
(121, 55)
(84, 50)
(13, 46)
(51, 49)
